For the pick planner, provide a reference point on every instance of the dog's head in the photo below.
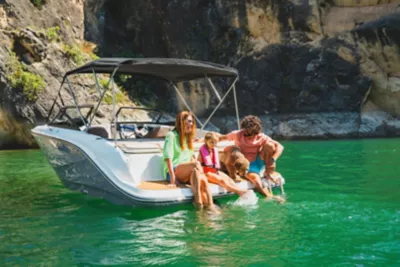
(242, 166)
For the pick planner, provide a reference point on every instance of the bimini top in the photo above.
(171, 69)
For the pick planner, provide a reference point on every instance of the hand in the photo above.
(171, 185)
(198, 165)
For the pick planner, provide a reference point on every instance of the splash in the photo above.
(248, 199)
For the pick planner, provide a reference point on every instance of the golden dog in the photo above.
(234, 162)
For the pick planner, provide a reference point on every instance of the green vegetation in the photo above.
(74, 52)
(19, 77)
(38, 3)
(80, 53)
(88, 48)
(53, 34)
(120, 97)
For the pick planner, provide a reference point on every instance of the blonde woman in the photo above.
(179, 162)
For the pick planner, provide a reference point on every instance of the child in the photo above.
(209, 159)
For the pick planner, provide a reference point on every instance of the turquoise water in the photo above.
(343, 209)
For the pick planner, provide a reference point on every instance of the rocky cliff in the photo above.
(311, 69)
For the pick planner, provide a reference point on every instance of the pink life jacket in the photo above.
(207, 160)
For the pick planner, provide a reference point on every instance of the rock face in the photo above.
(294, 57)
(316, 62)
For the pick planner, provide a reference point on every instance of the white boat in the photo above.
(122, 161)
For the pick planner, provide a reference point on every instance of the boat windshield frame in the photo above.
(88, 119)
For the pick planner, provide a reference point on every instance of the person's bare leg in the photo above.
(266, 154)
(184, 171)
(269, 150)
(196, 189)
(224, 181)
(205, 187)
(256, 180)
(204, 198)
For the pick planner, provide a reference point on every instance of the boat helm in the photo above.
(134, 130)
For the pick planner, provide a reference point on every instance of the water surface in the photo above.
(343, 209)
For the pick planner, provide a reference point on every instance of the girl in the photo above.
(178, 160)
(208, 157)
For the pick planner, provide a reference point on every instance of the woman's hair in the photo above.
(180, 128)
(252, 123)
(209, 136)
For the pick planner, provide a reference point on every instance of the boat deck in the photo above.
(159, 185)
(163, 185)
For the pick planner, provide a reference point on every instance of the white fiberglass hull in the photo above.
(97, 167)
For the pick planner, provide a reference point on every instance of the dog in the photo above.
(234, 162)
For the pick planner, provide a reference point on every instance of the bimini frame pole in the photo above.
(101, 97)
(220, 103)
(55, 100)
(213, 87)
(76, 103)
(186, 104)
(236, 106)
(97, 82)
(114, 119)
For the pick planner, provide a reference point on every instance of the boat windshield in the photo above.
(69, 116)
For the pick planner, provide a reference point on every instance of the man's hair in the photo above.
(180, 128)
(251, 123)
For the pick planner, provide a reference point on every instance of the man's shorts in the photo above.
(257, 165)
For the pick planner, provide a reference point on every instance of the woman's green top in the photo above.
(173, 151)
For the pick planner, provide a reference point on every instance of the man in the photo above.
(259, 149)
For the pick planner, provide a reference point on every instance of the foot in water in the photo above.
(214, 209)
(279, 199)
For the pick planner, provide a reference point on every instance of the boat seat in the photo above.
(159, 132)
(159, 185)
(99, 131)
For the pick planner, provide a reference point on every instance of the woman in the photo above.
(258, 148)
(179, 163)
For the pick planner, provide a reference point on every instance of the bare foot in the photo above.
(243, 192)
(214, 209)
(198, 205)
(279, 199)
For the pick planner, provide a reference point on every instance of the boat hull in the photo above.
(79, 173)
(98, 167)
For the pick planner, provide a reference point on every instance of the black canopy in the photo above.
(171, 69)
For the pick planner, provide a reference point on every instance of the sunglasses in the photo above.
(249, 132)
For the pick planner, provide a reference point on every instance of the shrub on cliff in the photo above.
(31, 84)
(53, 34)
(80, 53)
(120, 96)
(38, 3)
(74, 53)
